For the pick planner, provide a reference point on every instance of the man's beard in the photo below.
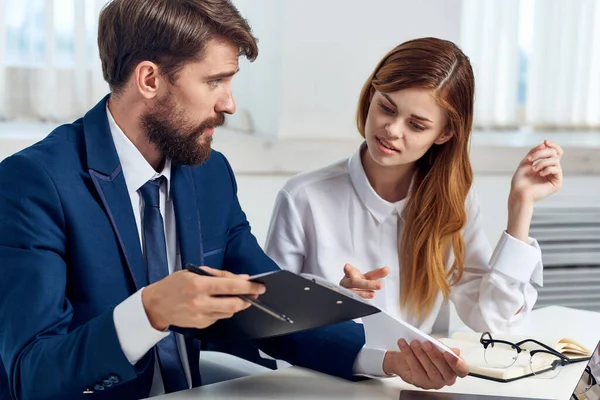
(167, 128)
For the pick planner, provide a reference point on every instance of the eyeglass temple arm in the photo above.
(545, 346)
(491, 341)
(485, 341)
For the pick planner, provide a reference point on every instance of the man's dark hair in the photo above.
(169, 33)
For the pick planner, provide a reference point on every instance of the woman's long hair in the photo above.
(435, 211)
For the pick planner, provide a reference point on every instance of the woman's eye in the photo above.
(416, 127)
(386, 108)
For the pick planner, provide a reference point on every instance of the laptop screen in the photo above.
(588, 387)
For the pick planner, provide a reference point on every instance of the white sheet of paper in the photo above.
(383, 331)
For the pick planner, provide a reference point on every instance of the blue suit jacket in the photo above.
(70, 252)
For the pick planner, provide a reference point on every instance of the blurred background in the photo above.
(537, 71)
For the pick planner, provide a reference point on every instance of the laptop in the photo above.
(586, 381)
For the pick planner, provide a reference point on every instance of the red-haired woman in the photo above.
(404, 201)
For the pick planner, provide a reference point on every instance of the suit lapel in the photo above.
(117, 205)
(187, 217)
(109, 182)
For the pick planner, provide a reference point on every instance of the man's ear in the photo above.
(444, 137)
(147, 79)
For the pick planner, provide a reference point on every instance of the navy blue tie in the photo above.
(155, 247)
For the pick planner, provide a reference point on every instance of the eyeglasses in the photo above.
(586, 382)
(544, 362)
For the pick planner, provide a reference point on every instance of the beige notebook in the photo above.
(472, 351)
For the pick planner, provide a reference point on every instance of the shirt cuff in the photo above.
(136, 334)
(518, 260)
(369, 362)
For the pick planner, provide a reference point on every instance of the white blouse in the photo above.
(332, 216)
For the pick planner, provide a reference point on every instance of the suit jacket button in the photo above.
(99, 387)
(107, 383)
(114, 379)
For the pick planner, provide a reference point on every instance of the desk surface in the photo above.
(299, 383)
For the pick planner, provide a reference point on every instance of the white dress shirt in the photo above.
(332, 216)
(136, 334)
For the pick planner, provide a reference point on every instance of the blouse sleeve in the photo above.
(496, 289)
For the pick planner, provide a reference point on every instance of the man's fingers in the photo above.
(225, 305)
(219, 273)
(378, 273)
(233, 286)
(227, 283)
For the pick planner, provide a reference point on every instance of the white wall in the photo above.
(257, 86)
(315, 56)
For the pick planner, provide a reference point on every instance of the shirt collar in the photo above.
(136, 169)
(380, 209)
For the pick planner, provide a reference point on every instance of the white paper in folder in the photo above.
(383, 331)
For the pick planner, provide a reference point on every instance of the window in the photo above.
(29, 26)
(535, 63)
(526, 9)
(49, 64)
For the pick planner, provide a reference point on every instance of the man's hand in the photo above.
(363, 285)
(189, 300)
(424, 366)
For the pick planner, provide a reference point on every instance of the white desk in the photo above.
(299, 383)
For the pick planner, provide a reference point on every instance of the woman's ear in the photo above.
(444, 137)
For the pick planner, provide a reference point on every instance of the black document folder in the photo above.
(308, 301)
